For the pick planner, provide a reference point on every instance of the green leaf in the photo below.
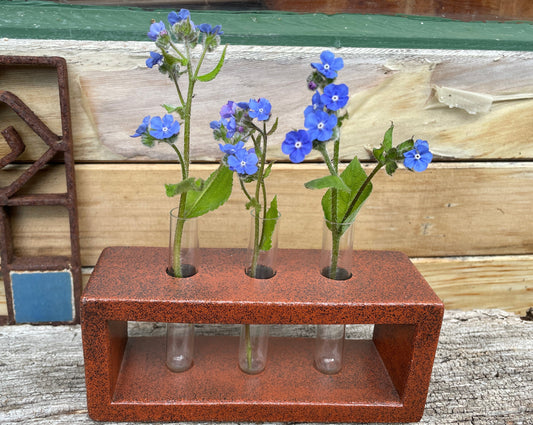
(268, 169)
(327, 182)
(215, 192)
(273, 128)
(391, 167)
(387, 138)
(383, 152)
(211, 75)
(170, 109)
(170, 140)
(378, 153)
(405, 146)
(392, 154)
(252, 204)
(171, 59)
(354, 177)
(269, 225)
(148, 140)
(184, 186)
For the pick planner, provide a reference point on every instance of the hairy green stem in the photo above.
(180, 159)
(178, 90)
(257, 216)
(185, 158)
(248, 339)
(245, 191)
(321, 147)
(335, 225)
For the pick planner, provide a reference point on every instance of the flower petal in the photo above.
(422, 146)
(297, 156)
(420, 166)
(409, 161)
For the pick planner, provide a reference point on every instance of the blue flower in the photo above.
(243, 162)
(231, 126)
(320, 125)
(260, 109)
(143, 127)
(230, 149)
(155, 29)
(335, 96)
(418, 158)
(317, 105)
(297, 145)
(228, 109)
(164, 128)
(174, 18)
(208, 29)
(243, 105)
(330, 64)
(215, 125)
(154, 59)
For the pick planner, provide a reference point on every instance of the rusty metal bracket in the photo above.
(9, 196)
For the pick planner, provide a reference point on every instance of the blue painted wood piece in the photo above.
(44, 296)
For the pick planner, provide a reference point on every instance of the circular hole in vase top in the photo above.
(261, 272)
(187, 270)
(340, 273)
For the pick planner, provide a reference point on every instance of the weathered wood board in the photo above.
(3, 303)
(464, 283)
(482, 374)
(449, 210)
(468, 283)
(466, 221)
(112, 90)
(455, 9)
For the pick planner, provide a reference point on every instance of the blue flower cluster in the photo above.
(159, 128)
(183, 17)
(235, 127)
(324, 117)
(239, 159)
(325, 114)
(183, 29)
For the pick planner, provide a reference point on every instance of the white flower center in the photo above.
(298, 145)
(320, 125)
(335, 98)
(261, 110)
(326, 66)
(417, 156)
(243, 163)
(164, 129)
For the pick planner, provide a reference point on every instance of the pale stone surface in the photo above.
(483, 372)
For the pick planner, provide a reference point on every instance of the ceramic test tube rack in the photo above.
(385, 379)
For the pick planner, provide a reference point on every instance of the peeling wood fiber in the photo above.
(486, 354)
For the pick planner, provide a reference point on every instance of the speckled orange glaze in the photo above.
(383, 380)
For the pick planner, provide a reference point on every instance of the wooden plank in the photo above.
(449, 210)
(468, 283)
(463, 283)
(3, 302)
(482, 372)
(385, 85)
(454, 9)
